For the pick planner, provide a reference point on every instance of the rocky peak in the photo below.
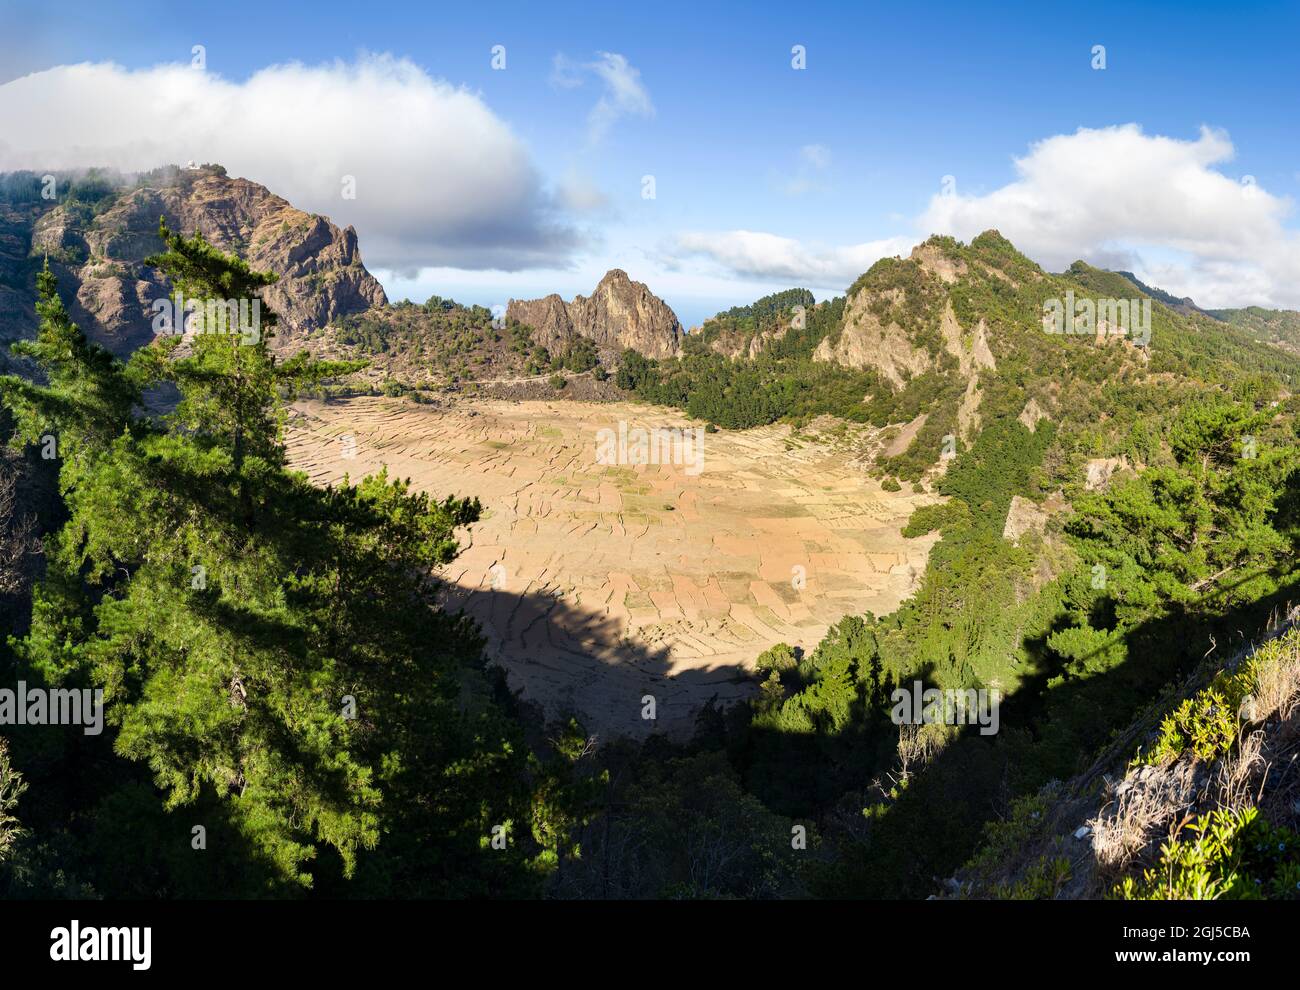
(99, 257)
(619, 314)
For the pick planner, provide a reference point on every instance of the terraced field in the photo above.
(600, 583)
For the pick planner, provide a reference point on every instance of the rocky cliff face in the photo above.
(99, 255)
(868, 341)
(17, 311)
(877, 332)
(619, 314)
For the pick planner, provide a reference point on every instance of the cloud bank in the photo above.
(440, 180)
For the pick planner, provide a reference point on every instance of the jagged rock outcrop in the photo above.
(868, 341)
(735, 346)
(1023, 517)
(933, 260)
(1031, 414)
(1099, 471)
(17, 311)
(99, 256)
(619, 314)
(878, 331)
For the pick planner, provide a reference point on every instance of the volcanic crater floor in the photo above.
(599, 584)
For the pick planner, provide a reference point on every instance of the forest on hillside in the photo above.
(291, 713)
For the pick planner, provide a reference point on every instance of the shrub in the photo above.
(779, 658)
(1207, 723)
(1232, 855)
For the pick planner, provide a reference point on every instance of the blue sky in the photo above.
(764, 176)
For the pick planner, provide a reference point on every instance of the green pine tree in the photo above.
(270, 650)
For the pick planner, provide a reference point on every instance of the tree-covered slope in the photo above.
(287, 708)
(955, 334)
(1279, 327)
(1168, 474)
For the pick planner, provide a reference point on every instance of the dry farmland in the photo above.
(597, 584)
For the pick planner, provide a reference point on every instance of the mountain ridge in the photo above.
(946, 313)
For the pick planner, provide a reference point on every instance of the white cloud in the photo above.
(440, 179)
(816, 155)
(581, 194)
(623, 94)
(1114, 193)
(758, 255)
(565, 72)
